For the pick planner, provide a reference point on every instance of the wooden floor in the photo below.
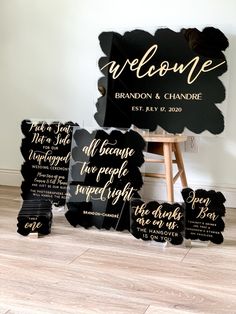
(73, 270)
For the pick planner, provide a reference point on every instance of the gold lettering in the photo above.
(106, 192)
(87, 169)
(62, 128)
(114, 68)
(204, 213)
(159, 213)
(143, 221)
(141, 210)
(47, 156)
(62, 140)
(137, 66)
(123, 153)
(33, 225)
(92, 148)
(196, 200)
(144, 61)
(122, 171)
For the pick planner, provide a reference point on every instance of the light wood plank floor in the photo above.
(73, 270)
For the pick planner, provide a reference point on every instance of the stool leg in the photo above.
(180, 165)
(167, 149)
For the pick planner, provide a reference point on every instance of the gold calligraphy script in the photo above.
(106, 148)
(136, 66)
(204, 212)
(33, 225)
(158, 216)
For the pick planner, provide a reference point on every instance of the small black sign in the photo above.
(204, 212)
(169, 80)
(159, 222)
(35, 216)
(46, 150)
(104, 176)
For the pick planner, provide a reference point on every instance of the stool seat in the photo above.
(167, 145)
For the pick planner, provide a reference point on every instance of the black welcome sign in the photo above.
(46, 149)
(159, 222)
(204, 212)
(104, 176)
(169, 80)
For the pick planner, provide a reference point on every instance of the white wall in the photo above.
(48, 68)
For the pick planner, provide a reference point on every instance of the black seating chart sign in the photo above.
(46, 149)
(204, 212)
(159, 222)
(104, 175)
(169, 79)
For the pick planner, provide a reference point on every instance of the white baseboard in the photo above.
(152, 189)
(10, 177)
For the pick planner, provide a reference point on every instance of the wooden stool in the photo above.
(164, 145)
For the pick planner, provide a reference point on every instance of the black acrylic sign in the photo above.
(169, 79)
(104, 176)
(46, 150)
(35, 216)
(204, 212)
(161, 222)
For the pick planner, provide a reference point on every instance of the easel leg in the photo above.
(167, 149)
(180, 165)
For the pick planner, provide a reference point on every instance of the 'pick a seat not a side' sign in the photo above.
(169, 79)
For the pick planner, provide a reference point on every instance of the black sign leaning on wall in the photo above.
(169, 80)
(204, 212)
(104, 176)
(46, 149)
(159, 222)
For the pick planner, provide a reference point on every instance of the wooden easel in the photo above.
(166, 144)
